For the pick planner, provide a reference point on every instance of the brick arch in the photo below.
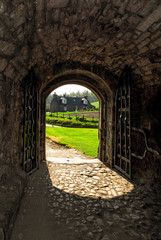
(104, 88)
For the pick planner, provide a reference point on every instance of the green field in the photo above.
(96, 104)
(85, 140)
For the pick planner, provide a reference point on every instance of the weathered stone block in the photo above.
(3, 6)
(143, 43)
(99, 41)
(103, 20)
(131, 46)
(156, 34)
(94, 11)
(2, 111)
(147, 22)
(1, 78)
(18, 16)
(106, 9)
(158, 42)
(130, 61)
(143, 62)
(149, 6)
(148, 73)
(133, 20)
(147, 78)
(7, 48)
(120, 42)
(75, 18)
(10, 71)
(154, 66)
(16, 2)
(2, 30)
(58, 3)
(37, 52)
(66, 21)
(143, 36)
(134, 6)
(152, 46)
(127, 36)
(55, 15)
(1, 234)
(137, 71)
(3, 64)
(143, 50)
(155, 26)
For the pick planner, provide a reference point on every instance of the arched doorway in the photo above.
(103, 88)
(97, 79)
(72, 119)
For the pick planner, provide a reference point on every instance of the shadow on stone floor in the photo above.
(48, 212)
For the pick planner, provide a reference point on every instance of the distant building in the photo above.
(64, 104)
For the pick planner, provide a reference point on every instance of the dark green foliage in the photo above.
(91, 96)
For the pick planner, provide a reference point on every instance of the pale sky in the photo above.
(69, 88)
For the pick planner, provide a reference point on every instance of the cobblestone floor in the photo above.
(86, 201)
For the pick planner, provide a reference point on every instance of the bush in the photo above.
(71, 121)
(82, 119)
(66, 123)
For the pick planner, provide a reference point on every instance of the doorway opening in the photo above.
(72, 120)
(104, 91)
(114, 128)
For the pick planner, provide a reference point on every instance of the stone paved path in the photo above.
(86, 201)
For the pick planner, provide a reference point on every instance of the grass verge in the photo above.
(85, 140)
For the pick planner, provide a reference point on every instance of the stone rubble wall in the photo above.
(11, 192)
(41, 33)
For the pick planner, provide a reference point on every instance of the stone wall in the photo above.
(11, 193)
(146, 114)
(108, 33)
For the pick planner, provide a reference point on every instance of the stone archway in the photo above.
(93, 36)
(103, 84)
(110, 34)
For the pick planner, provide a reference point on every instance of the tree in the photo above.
(91, 96)
(49, 99)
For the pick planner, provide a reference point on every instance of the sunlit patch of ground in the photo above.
(87, 180)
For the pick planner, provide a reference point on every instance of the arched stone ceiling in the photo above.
(106, 32)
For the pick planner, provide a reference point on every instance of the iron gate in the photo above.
(30, 103)
(122, 158)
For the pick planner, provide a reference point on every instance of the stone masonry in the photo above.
(42, 33)
(85, 201)
(95, 39)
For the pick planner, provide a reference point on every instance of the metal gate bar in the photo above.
(122, 157)
(30, 158)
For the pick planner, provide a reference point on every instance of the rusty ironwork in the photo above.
(122, 157)
(30, 110)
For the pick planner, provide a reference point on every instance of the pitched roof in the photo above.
(72, 100)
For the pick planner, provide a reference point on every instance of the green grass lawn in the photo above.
(84, 139)
(96, 104)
